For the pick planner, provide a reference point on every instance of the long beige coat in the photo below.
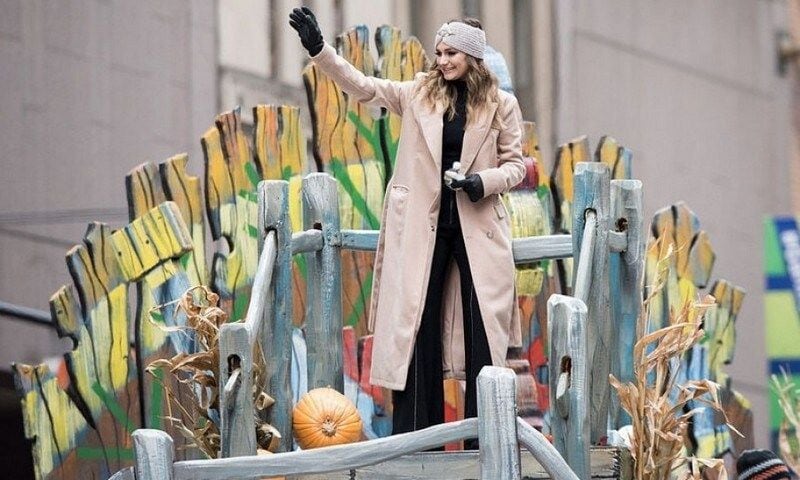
(409, 222)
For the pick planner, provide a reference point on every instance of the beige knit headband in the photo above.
(468, 39)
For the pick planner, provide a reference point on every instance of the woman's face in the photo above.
(451, 62)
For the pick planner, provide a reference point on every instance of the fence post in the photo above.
(153, 453)
(323, 326)
(569, 382)
(626, 285)
(276, 330)
(236, 411)
(497, 424)
(591, 192)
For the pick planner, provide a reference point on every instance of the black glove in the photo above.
(303, 20)
(472, 184)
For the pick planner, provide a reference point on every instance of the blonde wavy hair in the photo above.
(438, 93)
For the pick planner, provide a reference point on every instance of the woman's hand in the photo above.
(303, 20)
(472, 185)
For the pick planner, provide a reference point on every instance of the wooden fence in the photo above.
(575, 369)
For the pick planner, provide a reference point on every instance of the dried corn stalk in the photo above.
(656, 404)
(197, 374)
(789, 434)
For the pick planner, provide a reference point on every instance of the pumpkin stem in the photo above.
(329, 427)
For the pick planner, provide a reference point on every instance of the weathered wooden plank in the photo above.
(154, 452)
(625, 271)
(307, 241)
(100, 365)
(324, 323)
(276, 332)
(606, 463)
(363, 240)
(497, 424)
(544, 452)
(236, 411)
(54, 424)
(328, 459)
(531, 249)
(149, 249)
(617, 157)
(583, 269)
(570, 422)
(617, 241)
(232, 206)
(185, 191)
(592, 185)
(279, 149)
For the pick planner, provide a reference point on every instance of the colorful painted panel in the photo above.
(781, 307)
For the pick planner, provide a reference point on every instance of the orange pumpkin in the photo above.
(324, 417)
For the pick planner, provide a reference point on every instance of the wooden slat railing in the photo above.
(577, 325)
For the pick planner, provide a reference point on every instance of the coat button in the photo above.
(433, 228)
(490, 234)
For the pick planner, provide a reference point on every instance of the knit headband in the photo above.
(468, 39)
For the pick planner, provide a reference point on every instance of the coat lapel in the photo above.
(430, 122)
(474, 136)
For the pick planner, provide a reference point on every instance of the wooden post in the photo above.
(591, 192)
(569, 382)
(497, 424)
(625, 271)
(153, 452)
(236, 411)
(276, 331)
(323, 326)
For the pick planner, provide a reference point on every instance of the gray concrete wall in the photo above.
(692, 88)
(90, 89)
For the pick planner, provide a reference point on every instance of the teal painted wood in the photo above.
(569, 381)
(591, 191)
(237, 418)
(276, 332)
(363, 240)
(324, 318)
(154, 454)
(625, 271)
(497, 424)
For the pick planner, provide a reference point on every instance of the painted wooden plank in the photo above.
(307, 241)
(54, 426)
(100, 366)
(276, 333)
(625, 271)
(570, 383)
(148, 250)
(324, 322)
(497, 424)
(328, 459)
(592, 192)
(154, 452)
(279, 148)
(236, 411)
(544, 452)
(185, 191)
(617, 241)
(617, 157)
(232, 207)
